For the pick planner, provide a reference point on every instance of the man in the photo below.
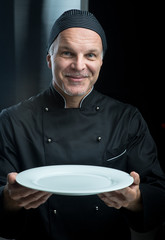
(71, 123)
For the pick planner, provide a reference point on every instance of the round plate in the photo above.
(74, 179)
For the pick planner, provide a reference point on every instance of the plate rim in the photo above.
(71, 167)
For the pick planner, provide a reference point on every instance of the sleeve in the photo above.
(8, 155)
(10, 224)
(142, 158)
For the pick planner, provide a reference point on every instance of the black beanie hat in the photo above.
(80, 19)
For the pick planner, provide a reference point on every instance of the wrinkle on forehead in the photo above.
(81, 36)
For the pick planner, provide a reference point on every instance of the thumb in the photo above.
(136, 178)
(11, 177)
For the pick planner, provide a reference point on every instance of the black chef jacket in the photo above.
(102, 132)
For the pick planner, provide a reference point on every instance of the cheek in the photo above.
(60, 66)
(56, 68)
(95, 68)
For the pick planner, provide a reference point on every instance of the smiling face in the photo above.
(75, 60)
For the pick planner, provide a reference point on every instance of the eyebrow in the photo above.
(65, 48)
(94, 50)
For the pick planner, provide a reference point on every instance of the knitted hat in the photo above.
(80, 19)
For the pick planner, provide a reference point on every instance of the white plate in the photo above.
(74, 180)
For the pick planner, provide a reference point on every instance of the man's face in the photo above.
(76, 61)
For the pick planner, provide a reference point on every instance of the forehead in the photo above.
(80, 36)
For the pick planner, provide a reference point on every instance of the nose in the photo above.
(78, 63)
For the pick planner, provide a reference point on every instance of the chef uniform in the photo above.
(41, 131)
(102, 132)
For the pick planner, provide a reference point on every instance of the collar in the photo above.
(61, 102)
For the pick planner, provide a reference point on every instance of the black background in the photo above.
(133, 65)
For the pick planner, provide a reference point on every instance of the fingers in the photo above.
(129, 197)
(17, 196)
(15, 190)
(29, 198)
(114, 199)
(34, 200)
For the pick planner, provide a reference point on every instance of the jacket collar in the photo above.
(61, 102)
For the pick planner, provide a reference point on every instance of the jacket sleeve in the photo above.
(10, 224)
(142, 158)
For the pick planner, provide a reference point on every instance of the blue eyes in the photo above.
(91, 55)
(71, 55)
(68, 54)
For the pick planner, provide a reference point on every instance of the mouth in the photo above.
(76, 77)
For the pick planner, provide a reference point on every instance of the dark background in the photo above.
(133, 65)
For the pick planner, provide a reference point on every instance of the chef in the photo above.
(72, 123)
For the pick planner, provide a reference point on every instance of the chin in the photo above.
(75, 92)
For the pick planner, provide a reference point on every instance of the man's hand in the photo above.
(17, 196)
(129, 197)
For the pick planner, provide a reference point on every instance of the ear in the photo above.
(48, 60)
(101, 63)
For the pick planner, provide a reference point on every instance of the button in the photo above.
(55, 211)
(97, 208)
(46, 109)
(97, 108)
(49, 140)
(99, 139)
